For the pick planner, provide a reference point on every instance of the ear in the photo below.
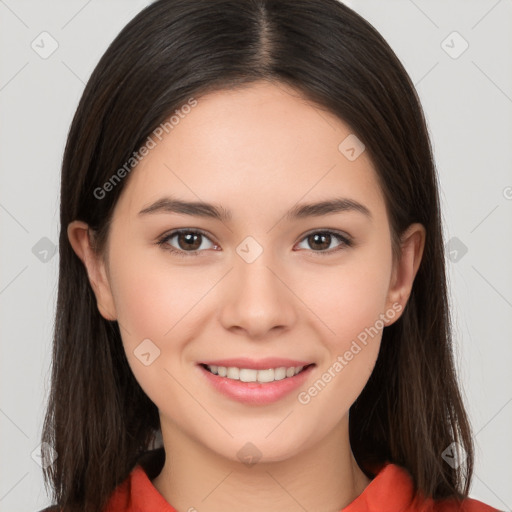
(81, 238)
(412, 243)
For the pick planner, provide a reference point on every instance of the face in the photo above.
(315, 289)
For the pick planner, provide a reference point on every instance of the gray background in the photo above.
(467, 97)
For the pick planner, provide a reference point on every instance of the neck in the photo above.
(323, 477)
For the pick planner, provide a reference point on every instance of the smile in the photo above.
(253, 386)
(251, 375)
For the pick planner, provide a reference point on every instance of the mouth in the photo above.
(255, 386)
(254, 375)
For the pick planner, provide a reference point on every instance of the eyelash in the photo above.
(346, 242)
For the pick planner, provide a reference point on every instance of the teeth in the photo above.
(249, 375)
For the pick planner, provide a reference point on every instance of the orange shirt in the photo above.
(389, 491)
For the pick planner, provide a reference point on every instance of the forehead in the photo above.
(255, 147)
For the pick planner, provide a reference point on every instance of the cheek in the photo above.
(153, 297)
(350, 297)
(141, 304)
(353, 307)
(156, 302)
(164, 303)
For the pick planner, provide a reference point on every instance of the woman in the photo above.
(252, 267)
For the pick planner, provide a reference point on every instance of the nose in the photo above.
(258, 298)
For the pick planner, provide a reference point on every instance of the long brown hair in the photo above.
(98, 419)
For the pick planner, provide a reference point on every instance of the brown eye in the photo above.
(187, 241)
(190, 241)
(320, 241)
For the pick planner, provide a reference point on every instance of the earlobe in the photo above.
(80, 237)
(405, 270)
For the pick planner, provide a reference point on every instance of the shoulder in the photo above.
(467, 505)
(393, 485)
(137, 482)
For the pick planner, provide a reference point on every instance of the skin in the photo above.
(256, 151)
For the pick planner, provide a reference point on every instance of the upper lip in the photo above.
(253, 364)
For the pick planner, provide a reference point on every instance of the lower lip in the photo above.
(256, 393)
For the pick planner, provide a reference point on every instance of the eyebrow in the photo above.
(201, 209)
